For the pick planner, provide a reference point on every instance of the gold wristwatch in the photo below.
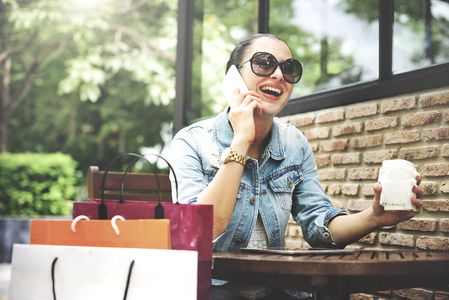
(230, 155)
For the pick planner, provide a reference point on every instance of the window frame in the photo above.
(387, 85)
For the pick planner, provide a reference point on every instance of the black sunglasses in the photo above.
(264, 64)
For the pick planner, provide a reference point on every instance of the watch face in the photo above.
(225, 154)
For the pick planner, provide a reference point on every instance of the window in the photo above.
(352, 51)
(420, 34)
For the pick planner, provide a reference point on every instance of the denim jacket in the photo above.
(282, 182)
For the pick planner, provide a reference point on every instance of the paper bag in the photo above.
(70, 272)
(151, 234)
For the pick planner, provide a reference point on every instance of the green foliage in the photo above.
(36, 184)
(106, 88)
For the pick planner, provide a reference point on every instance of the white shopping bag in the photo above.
(70, 272)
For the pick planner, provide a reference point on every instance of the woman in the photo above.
(256, 171)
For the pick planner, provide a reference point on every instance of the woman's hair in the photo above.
(238, 53)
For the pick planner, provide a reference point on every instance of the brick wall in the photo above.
(349, 145)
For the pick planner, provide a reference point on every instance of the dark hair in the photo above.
(238, 53)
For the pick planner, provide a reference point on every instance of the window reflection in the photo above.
(420, 34)
(336, 40)
(219, 25)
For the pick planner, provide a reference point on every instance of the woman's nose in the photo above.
(277, 74)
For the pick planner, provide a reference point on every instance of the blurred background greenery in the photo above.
(92, 79)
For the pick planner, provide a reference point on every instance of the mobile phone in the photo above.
(233, 80)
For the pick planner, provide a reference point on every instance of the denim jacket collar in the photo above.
(224, 134)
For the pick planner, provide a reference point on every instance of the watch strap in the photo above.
(234, 156)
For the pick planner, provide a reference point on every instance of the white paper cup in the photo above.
(397, 177)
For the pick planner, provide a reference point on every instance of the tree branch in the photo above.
(10, 52)
(28, 82)
(144, 42)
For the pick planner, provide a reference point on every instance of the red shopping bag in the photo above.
(190, 224)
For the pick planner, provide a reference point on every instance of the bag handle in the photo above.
(159, 209)
(53, 282)
(143, 156)
(102, 208)
(83, 217)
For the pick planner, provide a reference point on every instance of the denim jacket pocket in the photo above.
(282, 187)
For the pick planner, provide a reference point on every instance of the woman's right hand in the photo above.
(241, 115)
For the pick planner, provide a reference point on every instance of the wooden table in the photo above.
(336, 274)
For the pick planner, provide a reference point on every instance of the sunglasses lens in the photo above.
(263, 64)
(292, 70)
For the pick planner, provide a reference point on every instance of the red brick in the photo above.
(331, 116)
(377, 157)
(436, 170)
(421, 118)
(441, 295)
(366, 141)
(322, 160)
(445, 150)
(361, 296)
(381, 123)
(359, 205)
(361, 111)
(434, 98)
(302, 121)
(436, 205)
(436, 134)
(294, 231)
(385, 293)
(369, 238)
(419, 225)
(334, 145)
(317, 133)
(367, 190)
(418, 153)
(345, 129)
(444, 225)
(433, 243)
(429, 188)
(350, 189)
(296, 243)
(363, 173)
(415, 294)
(396, 239)
(332, 174)
(445, 187)
(346, 158)
(446, 116)
(334, 189)
(402, 137)
(398, 104)
(337, 204)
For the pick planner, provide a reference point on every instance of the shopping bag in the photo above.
(72, 272)
(151, 234)
(190, 224)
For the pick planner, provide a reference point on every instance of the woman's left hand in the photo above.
(389, 218)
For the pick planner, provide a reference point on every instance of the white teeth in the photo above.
(270, 88)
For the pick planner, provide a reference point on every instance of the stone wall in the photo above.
(349, 145)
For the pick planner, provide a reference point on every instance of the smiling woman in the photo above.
(267, 171)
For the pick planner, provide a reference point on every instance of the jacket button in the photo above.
(326, 235)
(252, 201)
(289, 183)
